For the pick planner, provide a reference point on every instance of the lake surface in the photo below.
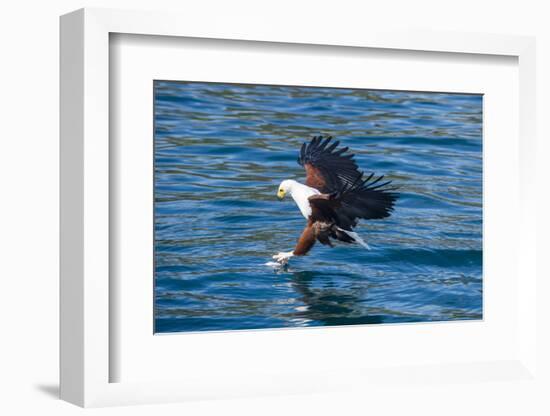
(221, 151)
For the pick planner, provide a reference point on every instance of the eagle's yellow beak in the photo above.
(281, 193)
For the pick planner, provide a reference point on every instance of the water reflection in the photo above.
(330, 305)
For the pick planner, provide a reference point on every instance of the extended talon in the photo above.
(282, 257)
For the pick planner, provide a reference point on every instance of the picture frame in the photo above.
(86, 261)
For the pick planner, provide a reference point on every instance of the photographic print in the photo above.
(294, 206)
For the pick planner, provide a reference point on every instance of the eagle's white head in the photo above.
(285, 187)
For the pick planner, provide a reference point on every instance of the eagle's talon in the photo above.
(283, 257)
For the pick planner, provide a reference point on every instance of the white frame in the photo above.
(85, 185)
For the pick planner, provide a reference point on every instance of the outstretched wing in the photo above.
(364, 198)
(370, 199)
(328, 169)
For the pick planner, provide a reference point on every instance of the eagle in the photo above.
(335, 196)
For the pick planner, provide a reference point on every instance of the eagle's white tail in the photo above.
(355, 237)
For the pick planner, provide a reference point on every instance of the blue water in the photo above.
(221, 151)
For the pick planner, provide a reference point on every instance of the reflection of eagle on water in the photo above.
(336, 194)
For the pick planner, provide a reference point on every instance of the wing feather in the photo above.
(366, 199)
(328, 169)
(346, 193)
(358, 200)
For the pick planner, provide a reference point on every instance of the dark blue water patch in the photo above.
(194, 323)
(170, 287)
(423, 202)
(221, 151)
(429, 143)
(443, 258)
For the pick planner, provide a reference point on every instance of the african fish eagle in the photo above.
(336, 194)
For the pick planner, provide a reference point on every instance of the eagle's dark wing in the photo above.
(365, 198)
(324, 207)
(369, 198)
(328, 169)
